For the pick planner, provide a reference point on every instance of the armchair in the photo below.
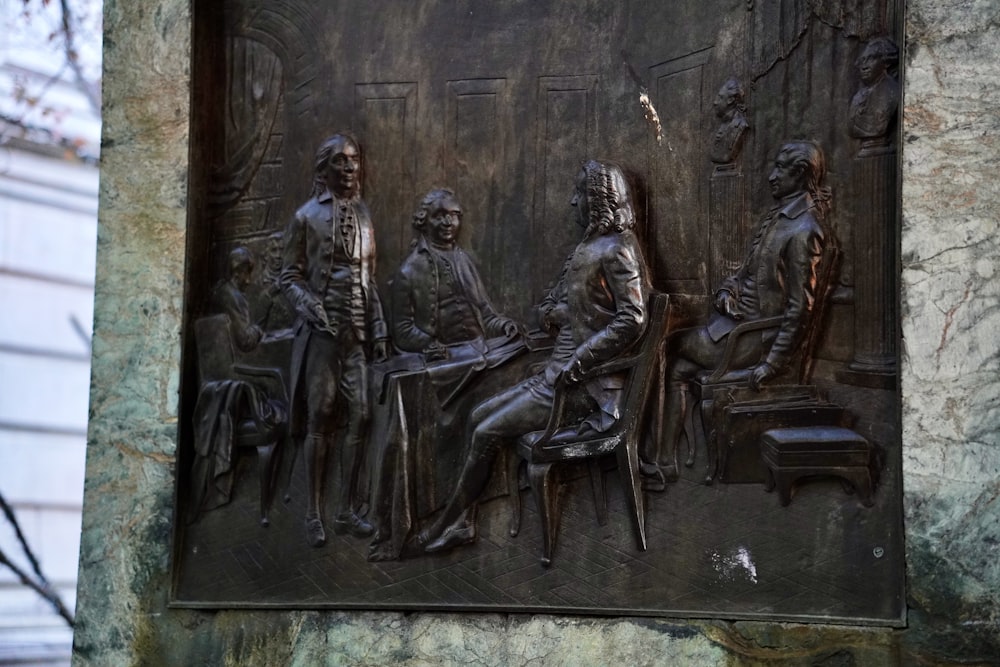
(543, 450)
(239, 406)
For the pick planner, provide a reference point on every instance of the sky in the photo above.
(38, 88)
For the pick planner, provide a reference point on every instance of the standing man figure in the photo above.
(599, 310)
(328, 274)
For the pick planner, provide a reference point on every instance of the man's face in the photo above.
(275, 250)
(344, 169)
(242, 274)
(580, 201)
(786, 178)
(444, 221)
(871, 67)
(723, 101)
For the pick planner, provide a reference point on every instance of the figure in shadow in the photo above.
(277, 318)
(597, 310)
(229, 298)
(241, 403)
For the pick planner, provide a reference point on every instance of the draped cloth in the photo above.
(225, 410)
(418, 434)
(777, 26)
(253, 83)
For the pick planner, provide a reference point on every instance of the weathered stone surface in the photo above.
(951, 314)
(950, 378)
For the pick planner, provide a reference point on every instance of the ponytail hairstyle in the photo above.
(333, 145)
(808, 156)
(734, 87)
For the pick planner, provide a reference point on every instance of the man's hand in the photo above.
(555, 318)
(435, 351)
(725, 303)
(380, 351)
(511, 329)
(760, 374)
(314, 314)
(572, 372)
(255, 333)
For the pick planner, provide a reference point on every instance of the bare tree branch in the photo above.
(72, 58)
(42, 586)
(44, 590)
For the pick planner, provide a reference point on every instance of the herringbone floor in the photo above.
(723, 550)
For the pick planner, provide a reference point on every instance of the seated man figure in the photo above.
(440, 311)
(229, 298)
(777, 278)
(438, 298)
(599, 309)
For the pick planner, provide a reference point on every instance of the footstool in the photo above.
(789, 454)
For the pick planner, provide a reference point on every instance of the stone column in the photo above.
(873, 113)
(874, 233)
(727, 233)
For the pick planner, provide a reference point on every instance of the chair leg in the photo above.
(265, 470)
(769, 481)
(628, 468)
(784, 484)
(293, 447)
(514, 492)
(860, 482)
(599, 490)
(709, 442)
(865, 490)
(689, 425)
(546, 491)
(664, 454)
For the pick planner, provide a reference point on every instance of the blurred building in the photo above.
(49, 143)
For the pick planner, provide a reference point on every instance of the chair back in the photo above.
(648, 366)
(215, 348)
(826, 283)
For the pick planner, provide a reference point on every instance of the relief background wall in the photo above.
(950, 380)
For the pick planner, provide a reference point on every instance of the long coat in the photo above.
(604, 288)
(306, 272)
(778, 277)
(415, 288)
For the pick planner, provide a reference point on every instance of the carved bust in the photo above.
(730, 109)
(874, 106)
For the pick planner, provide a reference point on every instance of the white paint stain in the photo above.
(735, 565)
(653, 118)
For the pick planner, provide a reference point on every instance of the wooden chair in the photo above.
(644, 369)
(217, 364)
(701, 430)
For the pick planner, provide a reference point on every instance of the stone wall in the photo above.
(950, 376)
(951, 294)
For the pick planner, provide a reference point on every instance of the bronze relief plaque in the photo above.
(577, 307)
